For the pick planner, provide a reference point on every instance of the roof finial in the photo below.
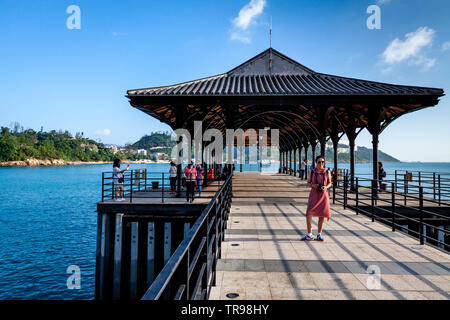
(270, 57)
(270, 31)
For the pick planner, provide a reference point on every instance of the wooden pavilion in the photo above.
(272, 90)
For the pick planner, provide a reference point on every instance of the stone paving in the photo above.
(263, 257)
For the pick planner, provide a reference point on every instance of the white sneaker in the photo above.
(122, 199)
(117, 200)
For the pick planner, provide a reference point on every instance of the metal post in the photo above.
(131, 187)
(396, 181)
(393, 188)
(405, 187)
(434, 185)
(345, 191)
(357, 196)
(295, 162)
(421, 215)
(334, 191)
(103, 186)
(439, 189)
(162, 188)
(373, 199)
(145, 180)
(113, 186)
(419, 179)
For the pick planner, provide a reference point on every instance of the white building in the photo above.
(113, 149)
(142, 152)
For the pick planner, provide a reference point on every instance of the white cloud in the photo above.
(246, 16)
(383, 1)
(446, 46)
(411, 49)
(240, 37)
(248, 13)
(104, 132)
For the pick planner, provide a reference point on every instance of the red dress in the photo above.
(319, 202)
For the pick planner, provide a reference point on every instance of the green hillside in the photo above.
(18, 145)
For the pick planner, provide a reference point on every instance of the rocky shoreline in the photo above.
(59, 162)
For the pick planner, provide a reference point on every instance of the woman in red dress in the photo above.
(319, 199)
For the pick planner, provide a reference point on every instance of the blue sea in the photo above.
(48, 223)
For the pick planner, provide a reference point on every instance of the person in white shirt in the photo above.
(302, 168)
(173, 177)
(118, 180)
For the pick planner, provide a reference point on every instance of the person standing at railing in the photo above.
(173, 177)
(319, 199)
(118, 180)
(190, 174)
(199, 178)
(381, 175)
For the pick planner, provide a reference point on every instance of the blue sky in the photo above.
(76, 79)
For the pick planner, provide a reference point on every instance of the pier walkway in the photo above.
(263, 257)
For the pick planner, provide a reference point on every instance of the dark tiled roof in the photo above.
(286, 77)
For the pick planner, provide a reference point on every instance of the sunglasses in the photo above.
(320, 161)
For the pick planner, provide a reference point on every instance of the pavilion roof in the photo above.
(287, 77)
(272, 90)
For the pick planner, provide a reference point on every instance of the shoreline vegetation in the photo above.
(30, 148)
(60, 162)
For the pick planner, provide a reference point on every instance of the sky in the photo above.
(59, 74)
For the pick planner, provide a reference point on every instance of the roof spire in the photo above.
(270, 58)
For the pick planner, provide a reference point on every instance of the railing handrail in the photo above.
(370, 196)
(158, 286)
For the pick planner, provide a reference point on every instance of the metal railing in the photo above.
(191, 270)
(140, 183)
(388, 205)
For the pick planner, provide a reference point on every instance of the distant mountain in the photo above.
(362, 154)
(162, 140)
(155, 139)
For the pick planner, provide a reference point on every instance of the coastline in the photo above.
(60, 162)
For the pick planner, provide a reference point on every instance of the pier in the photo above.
(243, 240)
(263, 257)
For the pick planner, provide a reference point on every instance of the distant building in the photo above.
(142, 152)
(113, 149)
(343, 146)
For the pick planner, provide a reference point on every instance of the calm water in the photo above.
(48, 222)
